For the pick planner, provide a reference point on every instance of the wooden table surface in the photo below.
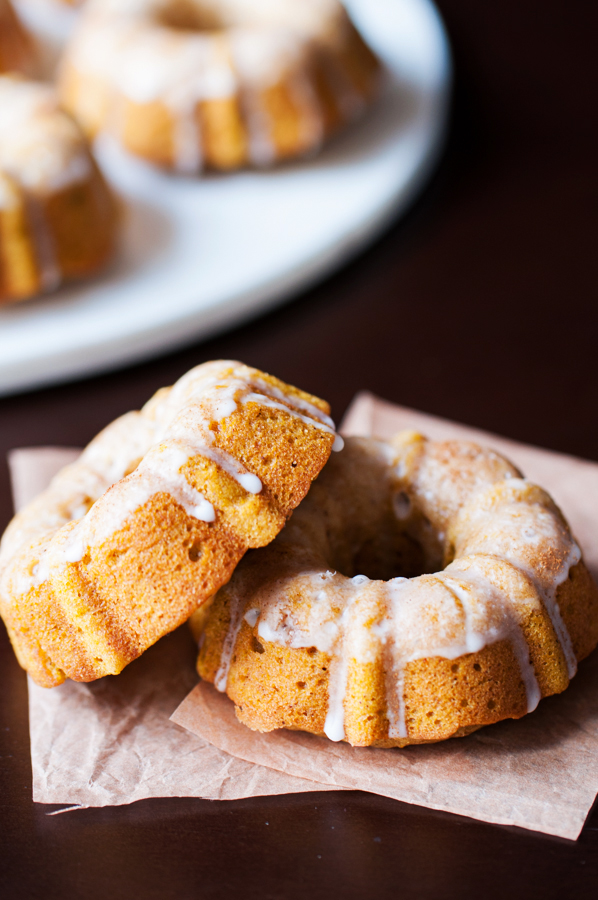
(479, 306)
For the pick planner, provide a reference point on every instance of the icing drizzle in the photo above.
(512, 553)
(42, 152)
(245, 48)
(152, 446)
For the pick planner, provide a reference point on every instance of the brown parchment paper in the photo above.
(111, 742)
(540, 772)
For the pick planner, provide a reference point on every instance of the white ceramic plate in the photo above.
(201, 255)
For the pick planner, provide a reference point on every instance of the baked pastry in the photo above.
(302, 638)
(57, 215)
(217, 83)
(17, 50)
(152, 519)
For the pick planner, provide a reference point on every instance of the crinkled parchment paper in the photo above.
(111, 742)
(540, 772)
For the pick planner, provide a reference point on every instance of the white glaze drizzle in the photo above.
(334, 726)
(41, 148)
(456, 612)
(552, 607)
(314, 412)
(534, 524)
(43, 152)
(488, 617)
(45, 250)
(261, 150)
(324, 630)
(156, 443)
(160, 474)
(246, 47)
(273, 404)
(188, 158)
(251, 617)
(509, 628)
(248, 481)
(236, 620)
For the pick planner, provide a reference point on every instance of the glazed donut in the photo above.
(17, 50)
(316, 632)
(57, 216)
(217, 83)
(152, 519)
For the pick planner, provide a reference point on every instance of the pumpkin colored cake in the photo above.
(423, 589)
(57, 216)
(153, 518)
(189, 84)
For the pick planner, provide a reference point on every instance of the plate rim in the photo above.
(86, 360)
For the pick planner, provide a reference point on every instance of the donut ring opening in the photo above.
(210, 16)
(462, 601)
(383, 534)
(195, 84)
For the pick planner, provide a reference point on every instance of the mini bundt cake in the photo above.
(57, 215)
(17, 50)
(316, 632)
(217, 83)
(152, 519)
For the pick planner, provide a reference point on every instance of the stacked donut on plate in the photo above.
(57, 215)
(185, 84)
(420, 591)
(217, 83)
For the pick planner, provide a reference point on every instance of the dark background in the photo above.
(479, 306)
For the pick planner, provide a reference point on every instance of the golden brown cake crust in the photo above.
(505, 613)
(153, 518)
(58, 219)
(245, 82)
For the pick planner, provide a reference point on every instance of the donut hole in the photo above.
(187, 15)
(376, 524)
(381, 558)
(381, 549)
(217, 15)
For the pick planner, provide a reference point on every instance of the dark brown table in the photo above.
(479, 306)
